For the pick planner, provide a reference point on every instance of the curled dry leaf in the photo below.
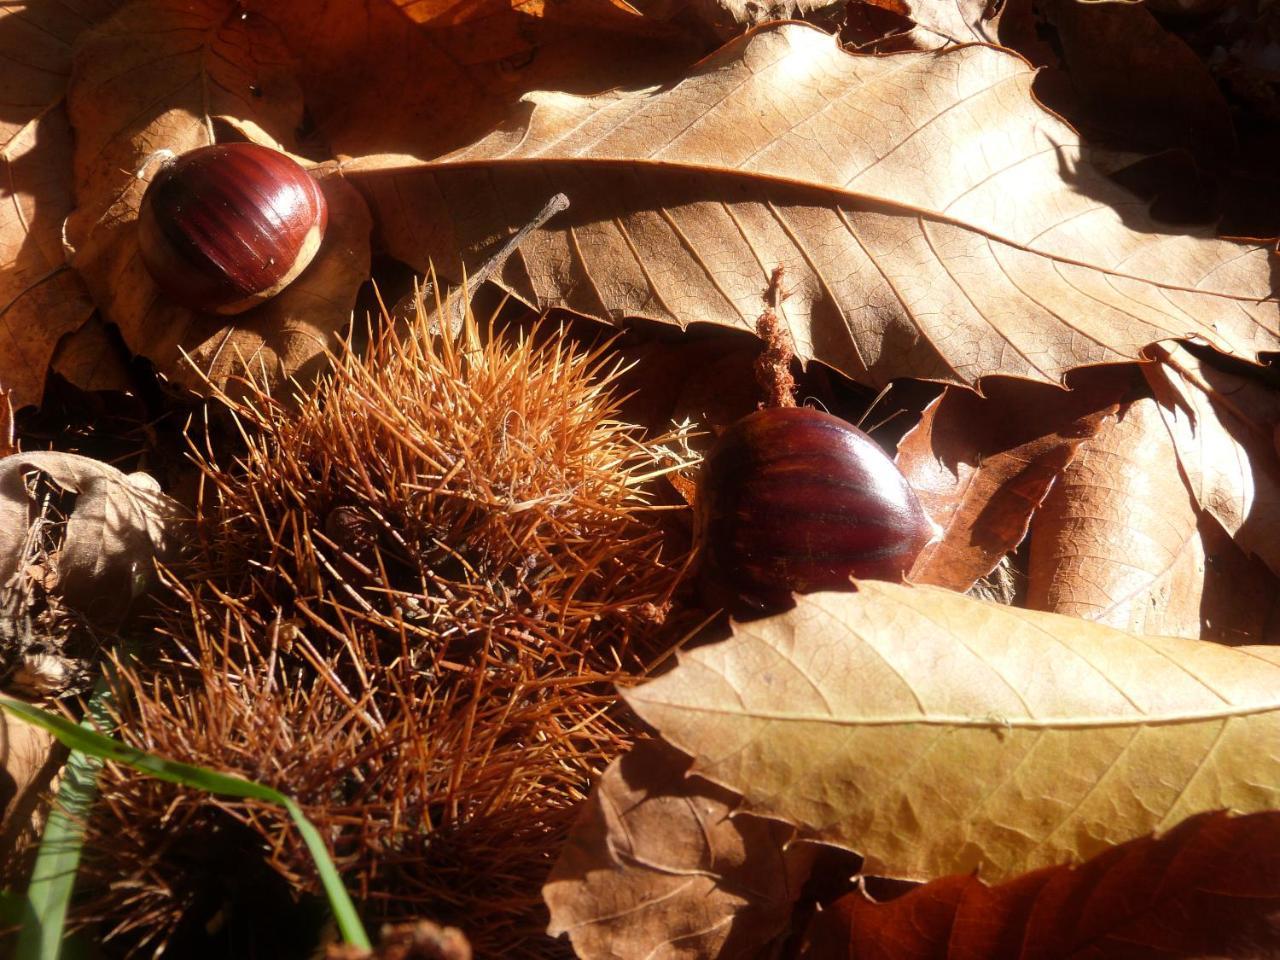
(82, 530)
(933, 219)
(157, 75)
(981, 465)
(41, 298)
(1222, 424)
(1207, 888)
(657, 866)
(936, 734)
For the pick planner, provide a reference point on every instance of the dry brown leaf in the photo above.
(157, 75)
(657, 866)
(981, 465)
(41, 299)
(1120, 540)
(97, 550)
(1222, 425)
(933, 219)
(1116, 540)
(1208, 888)
(936, 734)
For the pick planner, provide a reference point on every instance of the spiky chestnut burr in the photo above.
(225, 227)
(796, 500)
(409, 599)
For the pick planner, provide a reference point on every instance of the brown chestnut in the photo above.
(796, 500)
(225, 227)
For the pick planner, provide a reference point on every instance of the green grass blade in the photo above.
(94, 744)
(53, 877)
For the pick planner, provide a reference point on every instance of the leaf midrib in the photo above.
(893, 207)
(994, 722)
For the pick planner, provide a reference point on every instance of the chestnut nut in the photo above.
(225, 227)
(793, 499)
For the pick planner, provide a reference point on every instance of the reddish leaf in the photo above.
(1208, 888)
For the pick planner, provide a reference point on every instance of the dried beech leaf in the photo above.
(97, 553)
(1207, 888)
(1222, 425)
(933, 219)
(156, 75)
(658, 867)
(41, 299)
(936, 734)
(982, 465)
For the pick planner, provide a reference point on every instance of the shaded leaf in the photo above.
(1207, 888)
(935, 734)
(933, 219)
(1139, 83)
(378, 81)
(93, 359)
(41, 299)
(1222, 425)
(981, 465)
(158, 75)
(28, 763)
(658, 866)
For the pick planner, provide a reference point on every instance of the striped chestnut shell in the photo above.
(225, 227)
(796, 500)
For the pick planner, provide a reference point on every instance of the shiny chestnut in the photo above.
(796, 500)
(225, 227)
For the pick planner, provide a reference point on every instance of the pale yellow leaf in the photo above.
(937, 734)
(933, 219)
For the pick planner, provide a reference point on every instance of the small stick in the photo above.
(491, 266)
